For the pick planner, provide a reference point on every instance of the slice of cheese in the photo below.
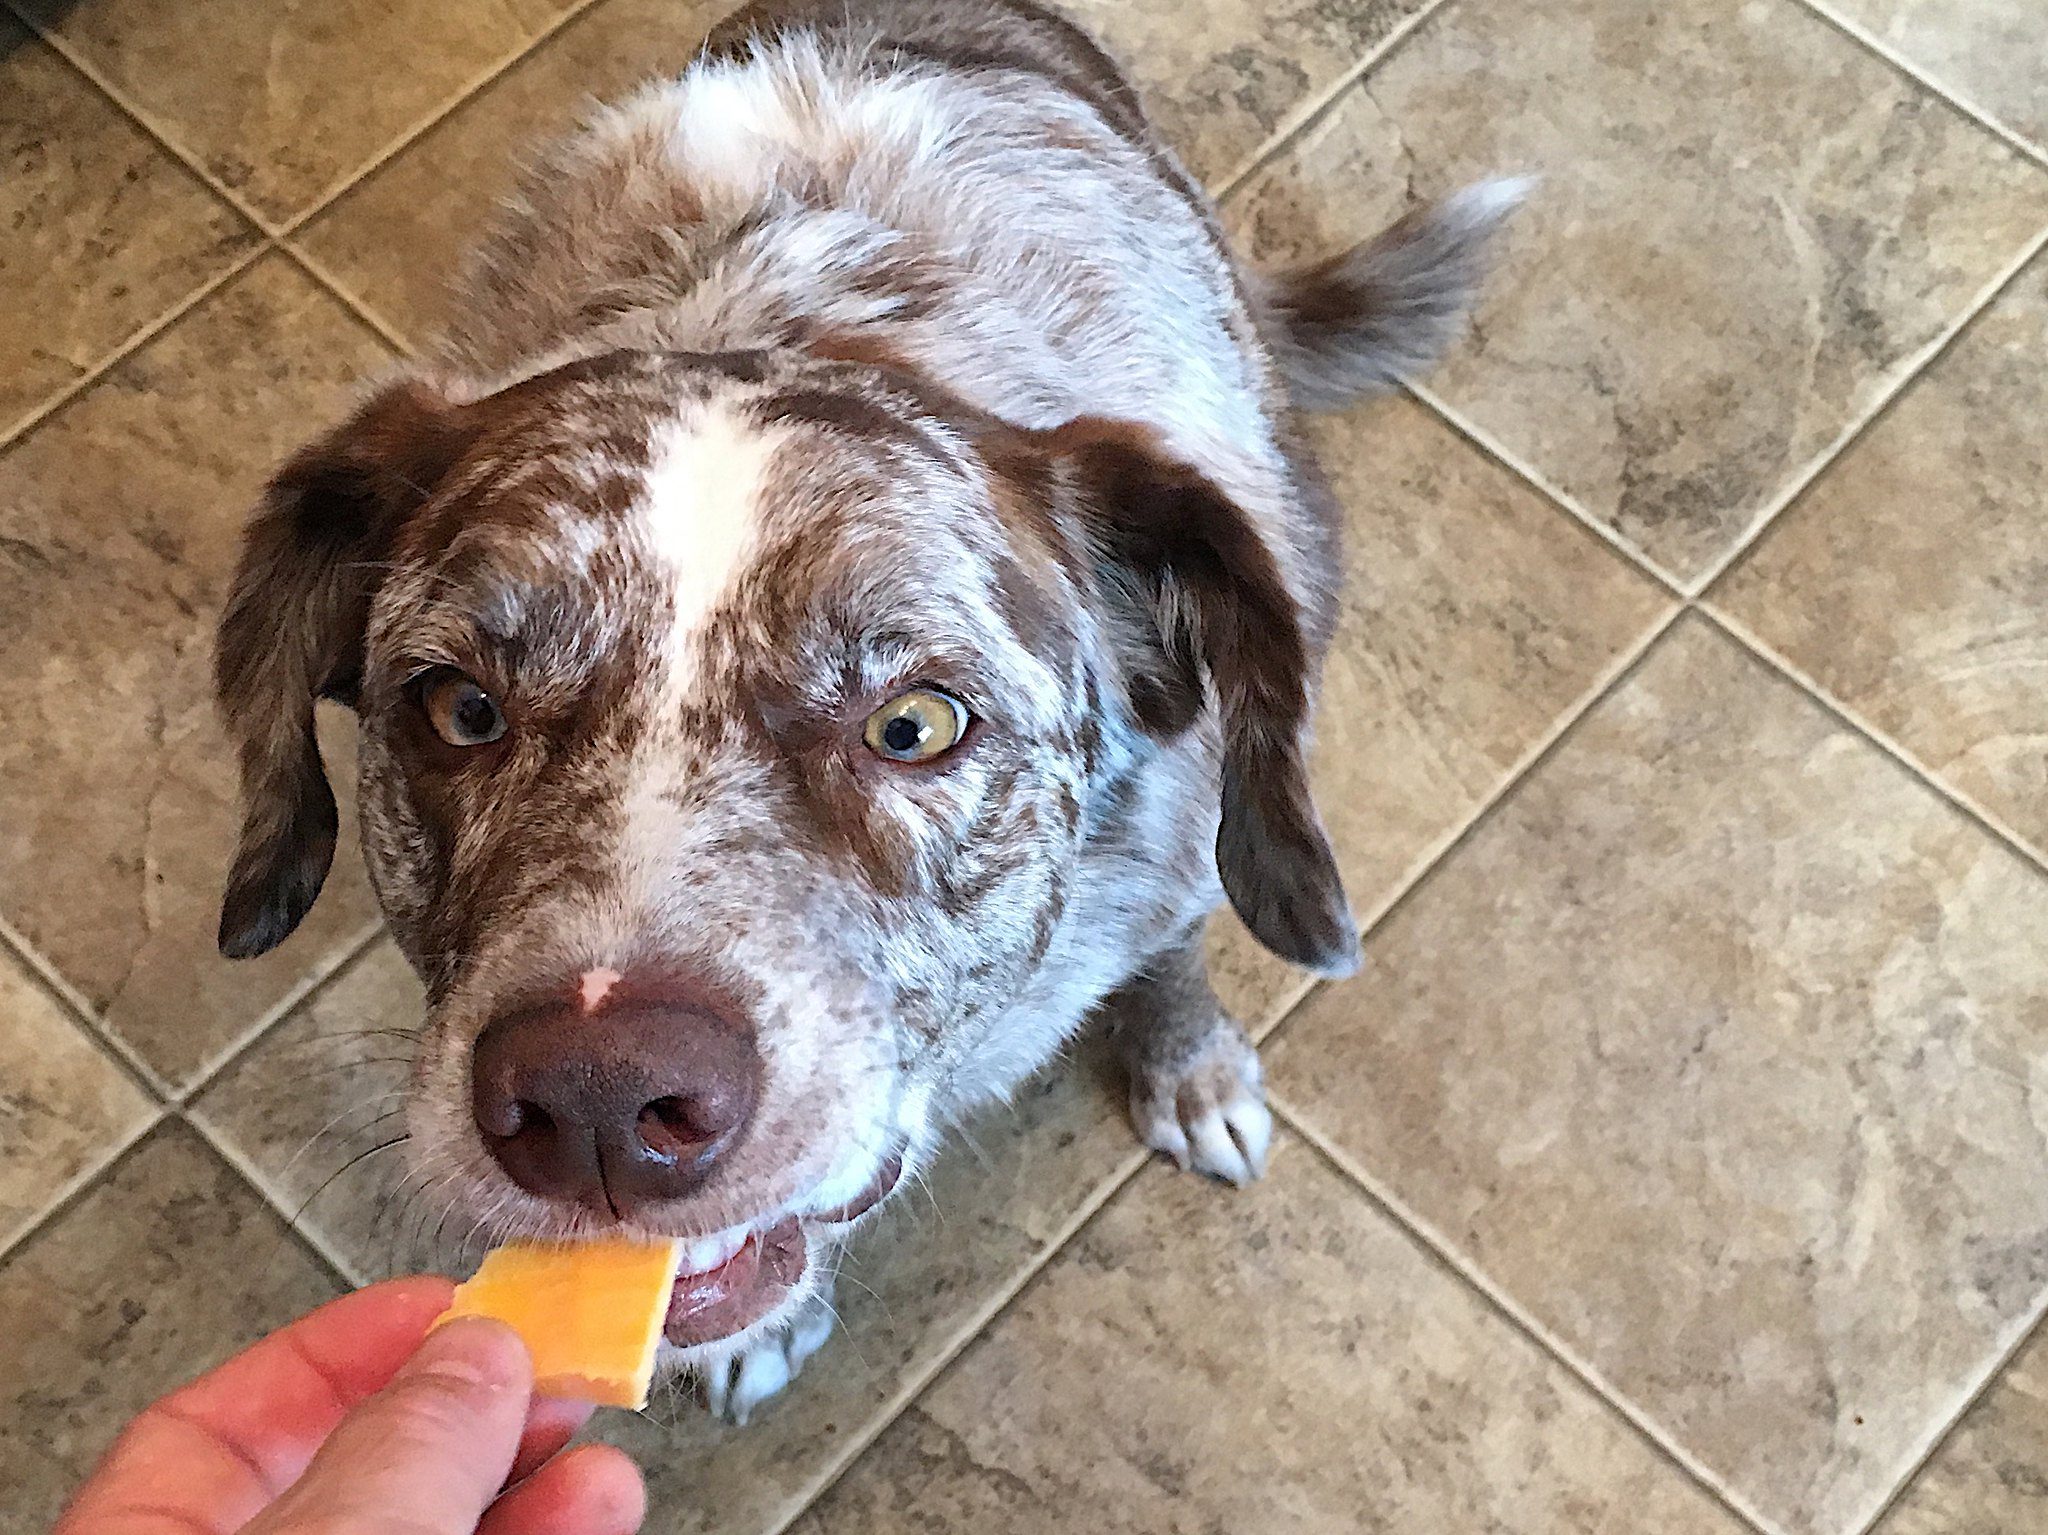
(590, 1312)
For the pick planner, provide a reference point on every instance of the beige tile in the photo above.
(103, 231)
(158, 1273)
(300, 1106)
(1988, 52)
(1991, 1476)
(281, 102)
(64, 1105)
(120, 518)
(397, 240)
(1281, 1359)
(1475, 616)
(1748, 226)
(1219, 76)
(1723, 1049)
(1215, 89)
(1912, 580)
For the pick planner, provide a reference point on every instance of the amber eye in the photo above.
(461, 713)
(916, 726)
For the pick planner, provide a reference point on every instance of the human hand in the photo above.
(346, 1423)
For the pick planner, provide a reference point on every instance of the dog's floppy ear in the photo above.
(292, 633)
(1213, 602)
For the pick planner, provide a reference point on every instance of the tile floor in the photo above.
(1679, 1163)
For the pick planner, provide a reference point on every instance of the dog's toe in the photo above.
(1208, 1112)
(734, 1387)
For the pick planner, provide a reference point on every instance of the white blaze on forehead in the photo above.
(701, 505)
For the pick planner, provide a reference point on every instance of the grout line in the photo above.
(1534, 478)
(425, 124)
(76, 1003)
(1313, 107)
(1984, 819)
(1444, 1252)
(340, 960)
(157, 134)
(1938, 1440)
(1858, 33)
(249, 1173)
(1907, 373)
(914, 1383)
(82, 1183)
(318, 272)
(134, 342)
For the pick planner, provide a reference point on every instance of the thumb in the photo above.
(425, 1455)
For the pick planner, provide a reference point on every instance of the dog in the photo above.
(840, 608)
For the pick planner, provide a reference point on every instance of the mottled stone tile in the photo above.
(64, 1104)
(1219, 76)
(282, 102)
(120, 519)
(1475, 615)
(1723, 1049)
(300, 1105)
(1989, 53)
(398, 239)
(1747, 229)
(100, 230)
(1991, 1476)
(1279, 1359)
(165, 1268)
(1911, 581)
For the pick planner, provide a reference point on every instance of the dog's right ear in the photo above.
(292, 633)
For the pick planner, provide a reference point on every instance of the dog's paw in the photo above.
(1207, 1110)
(735, 1386)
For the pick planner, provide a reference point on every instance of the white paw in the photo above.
(735, 1386)
(1208, 1112)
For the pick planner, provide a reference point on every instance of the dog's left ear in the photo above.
(1213, 600)
(292, 633)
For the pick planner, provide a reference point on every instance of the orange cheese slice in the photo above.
(590, 1312)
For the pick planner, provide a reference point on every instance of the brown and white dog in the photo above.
(840, 609)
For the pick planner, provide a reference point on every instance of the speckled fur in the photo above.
(921, 292)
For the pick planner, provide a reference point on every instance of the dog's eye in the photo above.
(916, 726)
(461, 713)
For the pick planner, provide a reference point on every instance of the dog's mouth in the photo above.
(731, 1281)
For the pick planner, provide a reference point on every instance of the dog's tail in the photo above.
(1366, 318)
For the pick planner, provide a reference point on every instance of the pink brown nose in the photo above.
(613, 1107)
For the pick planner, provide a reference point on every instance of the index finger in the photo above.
(213, 1454)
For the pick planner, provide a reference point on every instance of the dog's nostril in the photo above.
(668, 1127)
(527, 1115)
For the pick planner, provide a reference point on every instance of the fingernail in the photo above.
(472, 1350)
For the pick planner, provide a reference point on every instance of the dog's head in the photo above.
(736, 731)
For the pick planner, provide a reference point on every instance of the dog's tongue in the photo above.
(740, 1291)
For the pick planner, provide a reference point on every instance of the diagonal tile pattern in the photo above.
(1701, 1051)
(65, 1107)
(1289, 1361)
(1912, 582)
(104, 230)
(1987, 52)
(120, 519)
(129, 1293)
(1747, 227)
(280, 103)
(1715, 1051)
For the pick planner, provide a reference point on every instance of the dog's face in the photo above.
(736, 736)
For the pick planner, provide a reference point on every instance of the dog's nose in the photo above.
(617, 1105)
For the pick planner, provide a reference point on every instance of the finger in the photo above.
(429, 1452)
(593, 1490)
(209, 1456)
(551, 1423)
